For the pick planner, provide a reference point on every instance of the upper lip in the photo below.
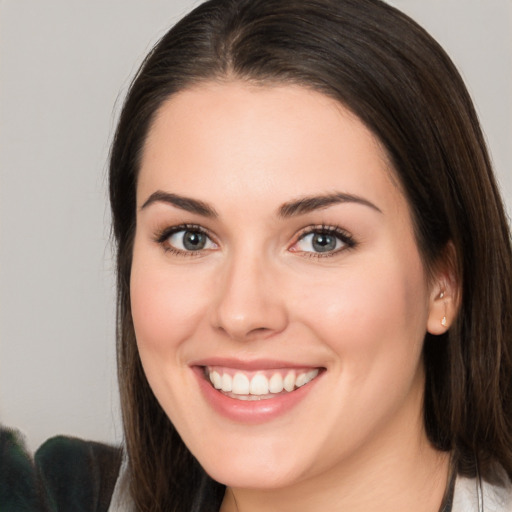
(250, 365)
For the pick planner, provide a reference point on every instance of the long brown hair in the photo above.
(401, 84)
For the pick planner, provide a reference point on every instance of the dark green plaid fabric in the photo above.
(19, 488)
(66, 475)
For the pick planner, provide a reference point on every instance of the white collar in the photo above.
(121, 499)
(472, 496)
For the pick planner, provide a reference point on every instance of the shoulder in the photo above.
(121, 498)
(78, 475)
(18, 482)
(474, 495)
(208, 496)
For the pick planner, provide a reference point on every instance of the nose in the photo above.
(249, 303)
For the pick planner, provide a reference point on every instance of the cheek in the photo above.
(166, 304)
(373, 312)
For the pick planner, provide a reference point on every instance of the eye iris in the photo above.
(194, 241)
(323, 242)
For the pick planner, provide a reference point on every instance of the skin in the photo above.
(259, 291)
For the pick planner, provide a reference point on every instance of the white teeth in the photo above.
(275, 384)
(312, 374)
(216, 380)
(227, 383)
(240, 384)
(289, 381)
(301, 380)
(259, 385)
(304, 378)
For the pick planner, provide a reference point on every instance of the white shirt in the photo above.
(470, 496)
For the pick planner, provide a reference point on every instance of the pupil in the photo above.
(194, 241)
(323, 242)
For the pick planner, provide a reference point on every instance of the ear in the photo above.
(445, 293)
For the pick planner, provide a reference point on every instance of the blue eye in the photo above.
(323, 241)
(183, 240)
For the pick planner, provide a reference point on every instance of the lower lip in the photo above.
(251, 411)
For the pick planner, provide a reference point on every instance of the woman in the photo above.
(314, 269)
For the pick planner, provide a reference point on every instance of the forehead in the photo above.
(221, 140)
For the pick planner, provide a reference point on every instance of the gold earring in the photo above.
(443, 320)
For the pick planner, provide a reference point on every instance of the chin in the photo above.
(254, 463)
(244, 475)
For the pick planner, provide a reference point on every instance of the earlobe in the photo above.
(444, 321)
(440, 317)
(445, 294)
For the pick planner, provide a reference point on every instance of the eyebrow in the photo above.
(184, 203)
(308, 204)
(293, 208)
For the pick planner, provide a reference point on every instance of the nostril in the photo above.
(242, 334)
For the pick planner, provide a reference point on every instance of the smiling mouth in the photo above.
(260, 384)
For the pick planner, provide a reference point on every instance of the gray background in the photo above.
(64, 68)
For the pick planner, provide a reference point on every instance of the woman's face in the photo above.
(274, 258)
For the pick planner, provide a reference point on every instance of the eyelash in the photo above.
(323, 229)
(162, 238)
